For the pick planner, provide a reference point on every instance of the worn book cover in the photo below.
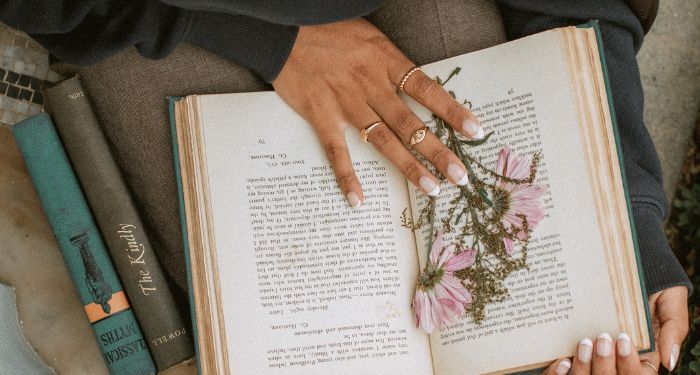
(106, 306)
(324, 287)
(120, 224)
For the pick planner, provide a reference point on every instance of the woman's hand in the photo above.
(669, 315)
(345, 75)
(604, 356)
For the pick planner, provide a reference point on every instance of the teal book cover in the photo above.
(106, 306)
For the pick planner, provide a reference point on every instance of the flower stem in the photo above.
(431, 237)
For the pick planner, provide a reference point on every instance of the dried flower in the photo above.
(519, 205)
(440, 296)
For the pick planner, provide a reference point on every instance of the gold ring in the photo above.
(364, 133)
(418, 136)
(407, 76)
(645, 362)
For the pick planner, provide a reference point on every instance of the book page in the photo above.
(308, 284)
(566, 294)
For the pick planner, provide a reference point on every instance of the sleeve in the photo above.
(83, 32)
(622, 37)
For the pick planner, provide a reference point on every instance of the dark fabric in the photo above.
(645, 10)
(257, 34)
(134, 118)
(265, 49)
(622, 37)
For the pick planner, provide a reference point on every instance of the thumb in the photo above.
(672, 311)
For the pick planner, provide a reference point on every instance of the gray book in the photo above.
(168, 336)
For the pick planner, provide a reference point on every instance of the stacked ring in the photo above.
(407, 76)
(364, 133)
(645, 362)
(418, 136)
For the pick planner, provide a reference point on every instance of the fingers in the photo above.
(434, 97)
(603, 362)
(328, 121)
(627, 356)
(672, 312)
(582, 361)
(386, 142)
(339, 157)
(652, 359)
(404, 123)
(560, 367)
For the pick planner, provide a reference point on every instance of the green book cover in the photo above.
(106, 306)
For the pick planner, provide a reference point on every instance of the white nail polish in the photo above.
(585, 350)
(604, 345)
(564, 367)
(473, 129)
(675, 351)
(354, 199)
(429, 186)
(457, 174)
(624, 345)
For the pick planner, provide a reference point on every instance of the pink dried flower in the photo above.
(440, 296)
(515, 202)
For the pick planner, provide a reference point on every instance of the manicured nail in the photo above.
(624, 345)
(564, 367)
(457, 174)
(354, 199)
(473, 129)
(675, 351)
(585, 350)
(603, 345)
(429, 186)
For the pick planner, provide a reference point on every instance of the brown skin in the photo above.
(670, 322)
(346, 75)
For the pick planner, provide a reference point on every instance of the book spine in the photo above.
(106, 306)
(167, 335)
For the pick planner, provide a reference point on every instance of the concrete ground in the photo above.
(670, 66)
(29, 258)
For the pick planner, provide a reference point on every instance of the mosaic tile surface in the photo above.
(24, 72)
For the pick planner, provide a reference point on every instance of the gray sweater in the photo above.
(260, 35)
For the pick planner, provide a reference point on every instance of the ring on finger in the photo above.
(646, 362)
(418, 136)
(364, 133)
(407, 76)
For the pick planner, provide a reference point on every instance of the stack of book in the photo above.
(100, 233)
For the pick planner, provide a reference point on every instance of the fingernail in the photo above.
(603, 345)
(675, 351)
(429, 186)
(473, 129)
(564, 367)
(624, 345)
(354, 199)
(585, 350)
(457, 174)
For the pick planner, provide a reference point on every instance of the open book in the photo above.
(288, 279)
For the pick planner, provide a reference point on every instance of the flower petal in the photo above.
(437, 248)
(453, 287)
(460, 261)
(508, 243)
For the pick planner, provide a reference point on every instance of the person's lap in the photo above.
(129, 95)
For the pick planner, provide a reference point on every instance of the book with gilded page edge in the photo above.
(287, 279)
(165, 330)
(106, 306)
